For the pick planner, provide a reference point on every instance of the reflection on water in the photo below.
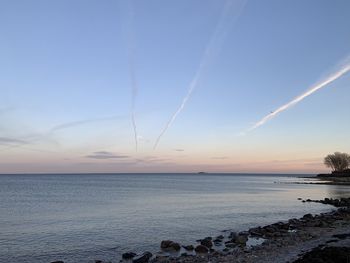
(338, 191)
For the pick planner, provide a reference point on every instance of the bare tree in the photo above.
(337, 161)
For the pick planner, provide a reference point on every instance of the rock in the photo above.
(144, 258)
(170, 245)
(230, 245)
(165, 243)
(308, 216)
(58, 261)
(188, 248)
(326, 255)
(201, 249)
(128, 255)
(241, 239)
(232, 235)
(221, 237)
(207, 242)
(98, 261)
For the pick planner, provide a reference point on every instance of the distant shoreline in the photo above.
(172, 173)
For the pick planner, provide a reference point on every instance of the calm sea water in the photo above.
(79, 218)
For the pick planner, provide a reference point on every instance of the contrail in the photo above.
(67, 125)
(230, 13)
(15, 143)
(131, 58)
(334, 76)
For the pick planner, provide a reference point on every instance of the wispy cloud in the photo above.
(12, 141)
(179, 150)
(230, 13)
(102, 155)
(344, 69)
(72, 124)
(219, 157)
(38, 137)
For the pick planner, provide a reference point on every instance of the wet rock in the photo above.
(58, 261)
(232, 235)
(128, 255)
(241, 239)
(221, 237)
(308, 216)
(144, 258)
(326, 255)
(98, 261)
(170, 245)
(188, 248)
(201, 249)
(230, 245)
(207, 242)
(342, 236)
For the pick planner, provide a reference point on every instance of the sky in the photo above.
(172, 86)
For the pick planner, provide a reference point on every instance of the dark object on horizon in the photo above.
(345, 173)
(339, 162)
(201, 172)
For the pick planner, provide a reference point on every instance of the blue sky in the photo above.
(66, 64)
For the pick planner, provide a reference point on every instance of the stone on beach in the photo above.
(170, 245)
(201, 249)
(144, 258)
(207, 243)
(189, 247)
(128, 255)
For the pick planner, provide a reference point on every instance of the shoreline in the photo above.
(280, 242)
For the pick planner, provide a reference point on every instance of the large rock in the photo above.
(201, 249)
(128, 255)
(241, 239)
(188, 248)
(232, 235)
(170, 245)
(144, 258)
(207, 243)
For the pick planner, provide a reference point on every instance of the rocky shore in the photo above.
(311, 238)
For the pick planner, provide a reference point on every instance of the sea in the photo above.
(85, 217)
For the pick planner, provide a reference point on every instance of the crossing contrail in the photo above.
(332, 77)
(230, 12)
(132, 71)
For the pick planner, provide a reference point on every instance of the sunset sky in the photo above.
(74, 73)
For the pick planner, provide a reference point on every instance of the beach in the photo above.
(289, 241)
